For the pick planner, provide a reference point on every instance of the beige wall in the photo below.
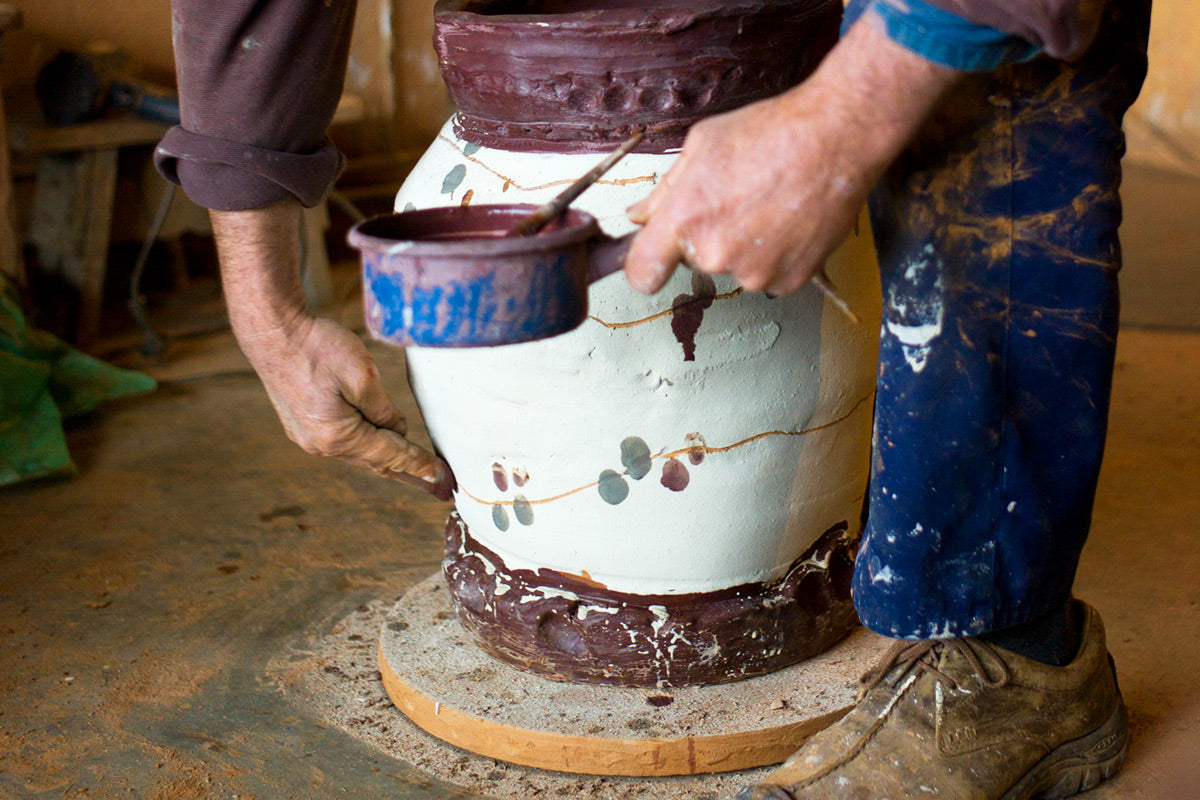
(394, 70)
(143, 27)
(403, 101)
(1164, 125)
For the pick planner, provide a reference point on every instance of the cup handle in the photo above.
(608, 255)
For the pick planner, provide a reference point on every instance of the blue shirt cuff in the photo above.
(946, 38)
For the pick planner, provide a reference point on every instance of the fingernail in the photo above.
(442, 485)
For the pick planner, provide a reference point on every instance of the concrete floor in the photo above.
(141, 601)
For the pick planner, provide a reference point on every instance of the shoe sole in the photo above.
(1078, 765)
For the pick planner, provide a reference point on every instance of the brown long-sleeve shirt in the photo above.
(259, 81)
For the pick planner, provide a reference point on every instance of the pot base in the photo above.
(570, 628)
(451, 689)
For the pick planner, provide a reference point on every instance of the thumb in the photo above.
(652, 258)
(639, 212)
(390, 455)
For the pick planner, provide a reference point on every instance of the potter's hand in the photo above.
(758, 194)
(319, 376)
(767, 192)
(329, 397)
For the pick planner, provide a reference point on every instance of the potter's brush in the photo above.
(551, 211)
(822, 282)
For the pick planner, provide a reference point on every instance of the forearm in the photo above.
(259, 252)
(873, 91)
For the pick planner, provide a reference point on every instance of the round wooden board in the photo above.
(450, 688)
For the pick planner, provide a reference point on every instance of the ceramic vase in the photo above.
(670, 494)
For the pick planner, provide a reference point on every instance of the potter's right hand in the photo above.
(328, 394)
(765, 193)
(319, 376)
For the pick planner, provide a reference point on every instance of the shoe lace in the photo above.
(904, 656)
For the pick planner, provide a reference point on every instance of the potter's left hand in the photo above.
(765, 193)
(319, 376)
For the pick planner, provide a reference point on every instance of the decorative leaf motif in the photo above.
(675, 475)
(635, 456)
(500, 517)
(522, 510)
(613, 487)
(454, 178)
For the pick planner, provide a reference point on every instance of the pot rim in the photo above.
(385, 234)
(476, 12)
(582, 79)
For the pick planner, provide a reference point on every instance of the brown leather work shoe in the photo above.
(960, 719)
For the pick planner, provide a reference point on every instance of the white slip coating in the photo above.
(558, 410)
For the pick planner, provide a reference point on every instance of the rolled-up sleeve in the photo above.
(978, 35)
(259, 81)
(1064, 29)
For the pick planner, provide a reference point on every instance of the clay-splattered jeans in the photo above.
(997, 239)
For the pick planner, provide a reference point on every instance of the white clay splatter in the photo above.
(583, 611)
(540, 593)
(915, 311)
(661, 615)
(710, 653)
(820, 563)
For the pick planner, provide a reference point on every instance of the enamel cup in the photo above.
(449, 277)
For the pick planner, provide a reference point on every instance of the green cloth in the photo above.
(43, 380)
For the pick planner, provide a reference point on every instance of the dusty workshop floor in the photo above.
(143, 601)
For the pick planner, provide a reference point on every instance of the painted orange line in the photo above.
(664, 313)
(510, 182)
(675, 453)
(764, 435)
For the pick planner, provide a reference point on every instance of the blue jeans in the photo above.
(997, 240)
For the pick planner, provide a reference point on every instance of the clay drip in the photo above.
(566, 627)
